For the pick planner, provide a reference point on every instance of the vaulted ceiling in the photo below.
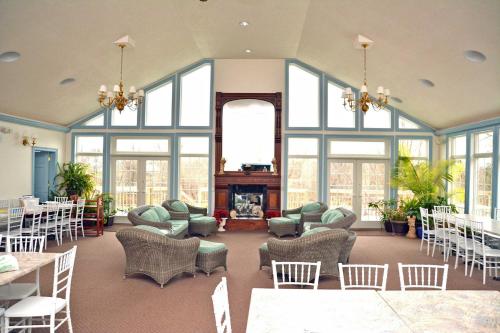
(414, 40)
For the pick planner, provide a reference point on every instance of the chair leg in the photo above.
(484, 269)
(434, 247)
(473, 263)
(422, 242)
(52, 323)
(68, 315)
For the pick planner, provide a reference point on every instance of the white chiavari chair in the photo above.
(482, 254)
(428, 234)
(363, 276)
(220, 301)
(49, 225)
(16, 291)
(461, 244)
(34, 222)
(441, 233)
(60, 199)
(423, 276)
(76, 221)
(14, 221)
(39, 307)
(443, 209)
(64, 220)
(296, 274)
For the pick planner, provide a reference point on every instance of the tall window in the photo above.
(303, 97)
(195, 96)
(482, 167)
(457, 147)
(159, 106)
(89, 150)
(194, 170)
(417, 150)
(338, 116)
(302, 177)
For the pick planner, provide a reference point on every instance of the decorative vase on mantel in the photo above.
(222, 165)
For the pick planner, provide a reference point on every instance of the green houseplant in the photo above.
(75, 179)
(384, 208)
(109, 213)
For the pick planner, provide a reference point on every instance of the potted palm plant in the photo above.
(75, 180)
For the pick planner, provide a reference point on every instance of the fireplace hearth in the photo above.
(249, 201)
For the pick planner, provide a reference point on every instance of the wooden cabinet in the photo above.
(93, 217)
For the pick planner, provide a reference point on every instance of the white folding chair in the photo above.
(296, 274)
(441, 233)
(220, 301)
(34, 222)
(462, 245)
(363, 276)
(39, 307)
(16, 291)
(423, 276)
(49, 225)
(428, 234)
(482, 254)
(76, 221)
(60, 199)
(64, 220)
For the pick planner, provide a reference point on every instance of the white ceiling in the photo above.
(413, 40)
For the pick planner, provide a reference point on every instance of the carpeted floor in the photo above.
(103, 302)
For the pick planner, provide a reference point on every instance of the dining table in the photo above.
(28, 262)
(325, 311)
(490, 226)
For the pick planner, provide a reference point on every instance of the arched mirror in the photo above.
(248, 131)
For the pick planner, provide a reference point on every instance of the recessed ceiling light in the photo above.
(68, 80)
(10, 56)
(427, 83)
(248, 51)
(396, 99)
(474, 56)
(244, 24)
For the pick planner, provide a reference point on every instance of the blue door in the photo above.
(43, 173)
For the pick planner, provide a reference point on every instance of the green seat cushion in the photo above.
(263, 246)
(151, 215)
(8, 263)
(179, 223)
(281, 220)
(204, 219)
(310, 207)
(193, 216)
(151, 229)
(163, 214)
(307, 225)
(314, 231)
(294, 217)
(331, 216)
(179, 206)
(210, 247)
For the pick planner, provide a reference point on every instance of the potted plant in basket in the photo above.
(398, 220)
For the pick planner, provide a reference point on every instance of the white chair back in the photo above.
(296, 274)
(37, 212)
(63, 273)
(424, 215)
(80, 206)
(440, 221)
(423, 276)
(65, 212)
(60, 199)
(25, 244)
(5, 203)
(477, 233)
(30, 203)
(443, 209)
(15, 219)
(220, 301)
(363, 276)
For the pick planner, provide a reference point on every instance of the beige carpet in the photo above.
(103, 302)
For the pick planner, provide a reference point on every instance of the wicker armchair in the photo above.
(314, 220)
(157, 256)
(345, 252)
(192, 209)
(300, 226)
(134, 216)
(324, 246)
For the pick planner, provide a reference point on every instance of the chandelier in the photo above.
(364, 101)
(117, 98)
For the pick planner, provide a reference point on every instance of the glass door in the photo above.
(341, 179)
(373, 187)
(156, 181)
(125, 184)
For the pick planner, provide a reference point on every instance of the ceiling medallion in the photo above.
(364, 101)
(117, 98)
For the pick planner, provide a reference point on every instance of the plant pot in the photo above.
(387, 226)
(111, 220)
(419, 231)
(399, 227)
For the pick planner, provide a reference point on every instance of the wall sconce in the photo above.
(5, 130)
(27, 141)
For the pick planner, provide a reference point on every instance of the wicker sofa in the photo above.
(297, 214)
(157, 256)
(324, 246)
(313, 220)
(178, 222)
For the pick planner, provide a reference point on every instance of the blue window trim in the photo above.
(484, 124)
(370, 129)
(177, 108)
(342, 85)
(152, 87)
(42, 149)
(34, 123)
(210, 161)
(320, 157)
(321, 89)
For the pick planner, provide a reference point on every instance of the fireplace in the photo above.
(249, 201)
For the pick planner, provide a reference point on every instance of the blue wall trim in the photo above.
(471, 126)
(33, 123)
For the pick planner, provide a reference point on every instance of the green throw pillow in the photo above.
(314, 231)
(151, 229)
(331, 216)
(150, 215)
(179, 206)
(310, 207)
(163, 214)
(8, 263)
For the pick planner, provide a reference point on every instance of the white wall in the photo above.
(16, 159)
